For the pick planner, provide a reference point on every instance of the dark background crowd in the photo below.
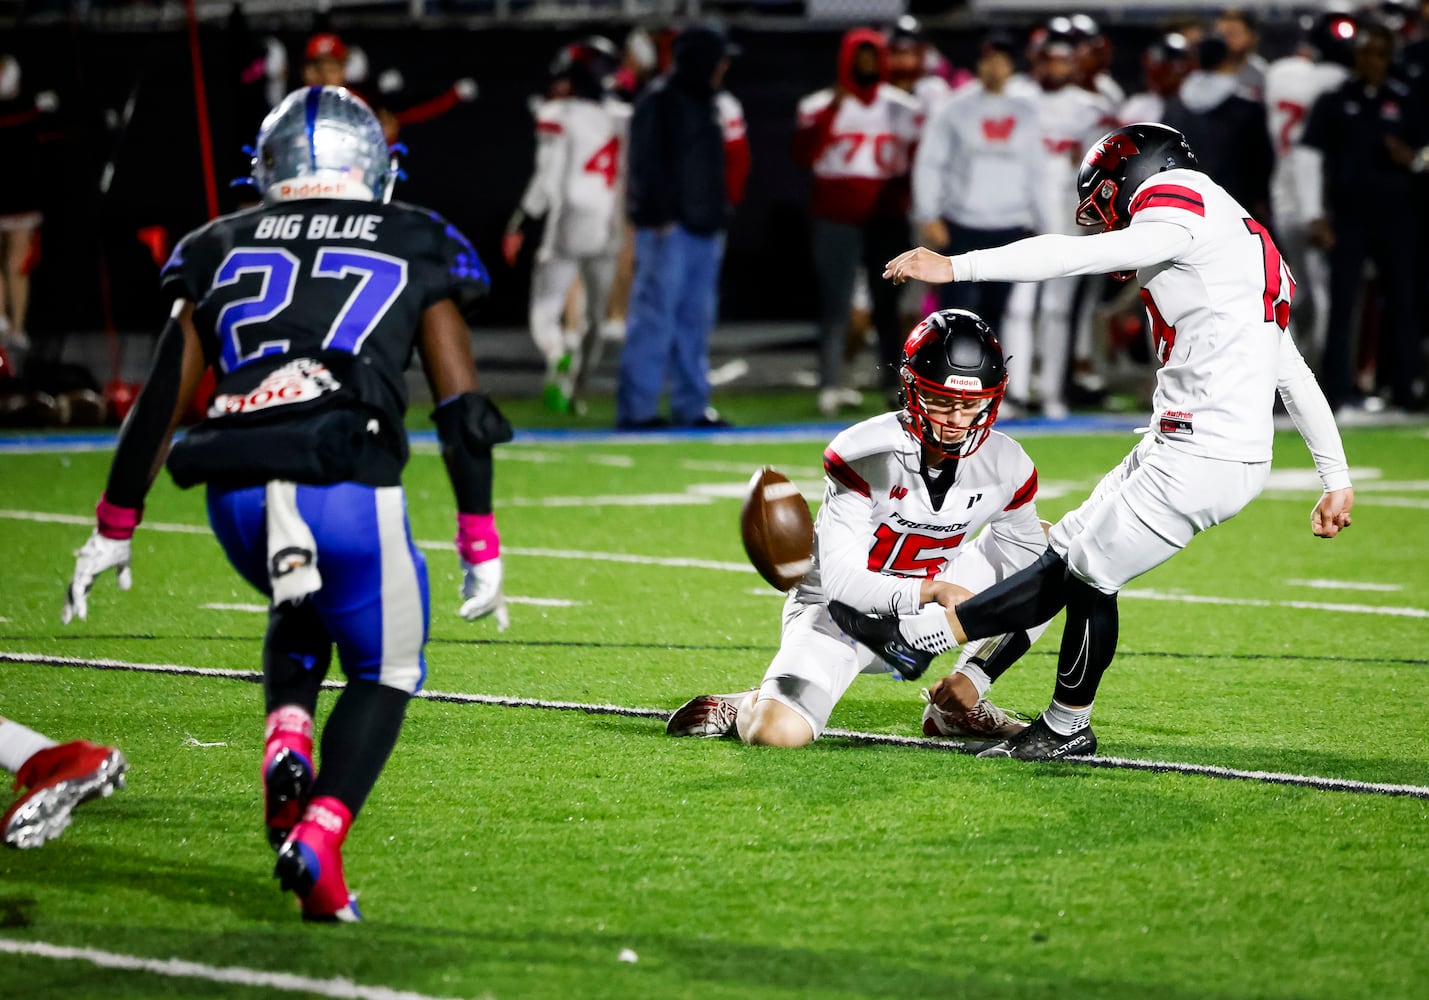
(124, 136)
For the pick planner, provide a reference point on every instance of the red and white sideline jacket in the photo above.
(578, 184)
(736, 145)
(859, 145)
(879, 534)
(1217, 295)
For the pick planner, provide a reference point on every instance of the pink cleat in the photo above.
(310, 863)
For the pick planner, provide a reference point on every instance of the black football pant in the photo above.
(1033, 595)
(362, 729)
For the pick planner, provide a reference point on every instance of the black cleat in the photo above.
(1039, 742)
(880, 634)
(286, 785)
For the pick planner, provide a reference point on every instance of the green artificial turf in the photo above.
(517, 851)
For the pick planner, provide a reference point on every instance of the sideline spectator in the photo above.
(678, 200)
(1226, 130)
(1369, 129)
(1292, 86)
(857, 136)
(20, 214)
(976, 176)
(1239, 28)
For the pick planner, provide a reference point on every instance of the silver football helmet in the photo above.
(322, 142)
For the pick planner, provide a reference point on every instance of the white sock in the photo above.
(19, 743)
(928, 630)
(974, 672)
(1065, 721)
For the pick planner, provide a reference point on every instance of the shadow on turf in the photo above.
(245, 890)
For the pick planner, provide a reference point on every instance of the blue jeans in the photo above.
(673, 297)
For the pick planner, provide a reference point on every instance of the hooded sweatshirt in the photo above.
(859, 144)
(676, 167)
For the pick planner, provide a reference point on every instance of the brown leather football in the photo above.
(777, 530)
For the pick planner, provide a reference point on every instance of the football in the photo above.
(777, 530)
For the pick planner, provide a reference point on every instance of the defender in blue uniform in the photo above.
(308, 308)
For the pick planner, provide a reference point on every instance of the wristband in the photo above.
(477, 540)
(117, 522)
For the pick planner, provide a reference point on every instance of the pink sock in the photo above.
(288, 727)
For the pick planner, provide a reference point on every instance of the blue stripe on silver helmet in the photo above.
(322, 142)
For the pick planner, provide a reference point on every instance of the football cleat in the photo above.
(709, 715)
(286, 784)
(1039, 742)
(57, 779)
(310, 864)
(880, 634)
(983, 720)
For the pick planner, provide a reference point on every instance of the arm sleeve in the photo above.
(812, 134)
(930, 166)
(432, 108)
(146, 429)
(843, 538)
(453, 267)
(543, 191)
(1015, 536)
(1313, 418)
(1307, 166)
(1054, 256)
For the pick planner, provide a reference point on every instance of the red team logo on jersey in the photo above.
(898, 493)
(998, 129)
(1113, 150)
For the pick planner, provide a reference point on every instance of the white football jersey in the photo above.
(1071, 119)
(880, 531)
(1216, 315)
(578, 184)
(1292, 85)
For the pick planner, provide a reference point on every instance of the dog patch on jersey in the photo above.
(299, 381)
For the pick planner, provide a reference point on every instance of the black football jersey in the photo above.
(299, 278)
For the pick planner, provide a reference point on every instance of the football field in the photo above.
(1257, 825)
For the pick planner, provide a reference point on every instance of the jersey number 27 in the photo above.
(380, 281)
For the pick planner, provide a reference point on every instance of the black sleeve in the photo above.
(147, 426)
(1319, 126)
(459, 273)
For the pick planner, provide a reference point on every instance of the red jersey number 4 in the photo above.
(605, 161)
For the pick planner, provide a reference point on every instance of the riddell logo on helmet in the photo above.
(312, 189)
(963, 382)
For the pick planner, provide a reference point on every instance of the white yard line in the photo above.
(179, 969)
(1385, 588)
(540, 602)
(1317, 782)
(1147, 594)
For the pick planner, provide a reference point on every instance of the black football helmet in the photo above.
(1117, 164)
(1331, 33)
(589, 65)
(952, 356)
